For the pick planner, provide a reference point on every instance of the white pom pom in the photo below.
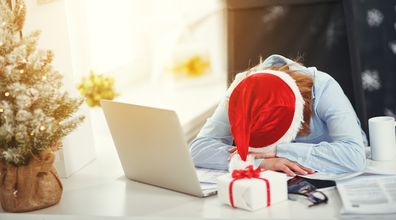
(236, 163)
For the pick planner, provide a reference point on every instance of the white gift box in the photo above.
(251, 194)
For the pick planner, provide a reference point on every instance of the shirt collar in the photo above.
(279, 60)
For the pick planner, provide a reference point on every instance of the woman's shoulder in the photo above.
(325, 85)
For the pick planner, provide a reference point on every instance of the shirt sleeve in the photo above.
(210, 148)
(345, 152)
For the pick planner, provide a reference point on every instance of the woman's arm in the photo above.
(213, 146)
(210, 148)
(345, 153)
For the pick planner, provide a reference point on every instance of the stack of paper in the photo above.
(368, 194)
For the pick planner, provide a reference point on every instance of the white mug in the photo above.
(382, 138)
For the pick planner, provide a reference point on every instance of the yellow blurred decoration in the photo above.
(97, 87)
(193, 66)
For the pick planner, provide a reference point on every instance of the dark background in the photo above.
(352, 40)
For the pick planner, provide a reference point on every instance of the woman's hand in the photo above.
(274, 163)
(285, 165)
(232, 151)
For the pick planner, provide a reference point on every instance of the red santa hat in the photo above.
(265, 109)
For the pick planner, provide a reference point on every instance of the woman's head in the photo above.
(304, 83)
(266, 108)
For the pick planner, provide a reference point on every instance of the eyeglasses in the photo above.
(316, 197)
(299, 186)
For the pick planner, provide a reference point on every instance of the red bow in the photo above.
(248, 173)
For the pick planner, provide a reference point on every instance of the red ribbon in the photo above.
(248, 173)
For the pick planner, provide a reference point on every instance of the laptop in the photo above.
(152, 149)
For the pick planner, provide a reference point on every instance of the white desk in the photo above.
(100, 191)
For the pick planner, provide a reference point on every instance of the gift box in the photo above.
(252, 189)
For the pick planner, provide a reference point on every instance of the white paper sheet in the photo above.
(373, 167)
(368, 194)
(332, 176)
(209, 175)
(208, 186)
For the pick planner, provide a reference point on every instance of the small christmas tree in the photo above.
(34, 113)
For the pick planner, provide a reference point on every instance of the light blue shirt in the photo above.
(335, 143)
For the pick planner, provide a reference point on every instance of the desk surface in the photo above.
(100, 190)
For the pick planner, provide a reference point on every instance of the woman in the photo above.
(330, 139)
